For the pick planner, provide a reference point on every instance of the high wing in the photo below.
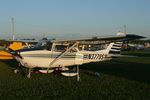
(106, 38)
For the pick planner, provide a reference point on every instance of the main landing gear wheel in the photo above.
(28, 76)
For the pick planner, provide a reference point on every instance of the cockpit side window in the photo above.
(60, 48)
(44, 45)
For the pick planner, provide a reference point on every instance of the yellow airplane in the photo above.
(5, 55)
(16, 45)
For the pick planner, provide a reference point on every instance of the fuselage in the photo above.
(49, 55)
(43, 58)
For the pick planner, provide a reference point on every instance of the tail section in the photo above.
(114, 48)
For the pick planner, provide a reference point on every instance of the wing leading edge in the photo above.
(106, 38)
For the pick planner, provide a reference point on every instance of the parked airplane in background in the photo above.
(15, 45)
(61, 54)
(5, 54)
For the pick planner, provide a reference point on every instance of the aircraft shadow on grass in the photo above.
(129, 70)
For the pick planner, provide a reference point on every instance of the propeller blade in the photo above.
(14, 53)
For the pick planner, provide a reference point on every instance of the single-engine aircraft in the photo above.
(61, 54)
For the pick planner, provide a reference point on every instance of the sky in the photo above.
(72, 19)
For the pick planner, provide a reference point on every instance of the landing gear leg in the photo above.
(19, 64)
(29, 74)
(78, 77)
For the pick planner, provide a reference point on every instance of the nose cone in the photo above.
(13, 53)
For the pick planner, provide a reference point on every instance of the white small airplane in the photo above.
(61, 54)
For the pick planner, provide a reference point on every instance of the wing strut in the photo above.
(61, 55)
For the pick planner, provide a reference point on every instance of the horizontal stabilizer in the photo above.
(115, 55)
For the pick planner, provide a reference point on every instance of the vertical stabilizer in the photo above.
(114, 48)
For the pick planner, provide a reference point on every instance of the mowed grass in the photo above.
(120, 79)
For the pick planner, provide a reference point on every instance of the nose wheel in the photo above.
(16, 71)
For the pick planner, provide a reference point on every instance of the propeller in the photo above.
(15, 53)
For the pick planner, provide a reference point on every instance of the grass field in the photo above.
(120, 79)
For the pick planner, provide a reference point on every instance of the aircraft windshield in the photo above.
(41, 44)
(44, 44)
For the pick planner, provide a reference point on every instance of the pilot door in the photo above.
(79, 59)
